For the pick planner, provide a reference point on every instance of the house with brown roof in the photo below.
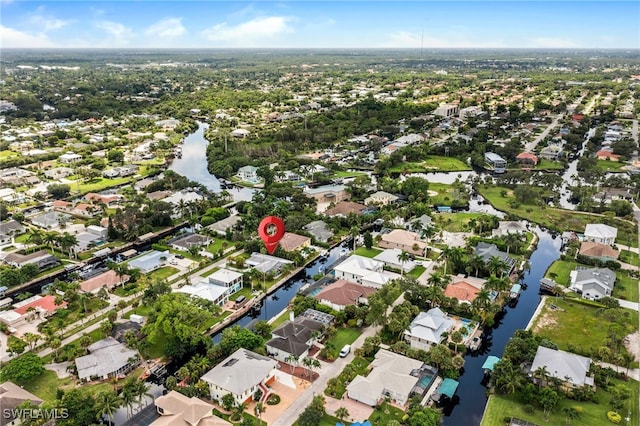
(343, 293)
(465, 289)
(292, 242)
(109, 200)
(108, 280)
(41, 258)
(527, 158)
(45, 306)
(598, 251)
(403, 240)
(607, 155)
(11, 397)
(345, 208)
(176, 409)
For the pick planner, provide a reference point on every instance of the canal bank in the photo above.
(470, 400)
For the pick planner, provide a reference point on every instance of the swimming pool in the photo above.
(425, 381)
(314, 291)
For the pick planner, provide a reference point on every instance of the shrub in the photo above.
(273, 399)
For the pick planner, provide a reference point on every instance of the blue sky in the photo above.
(318, 24)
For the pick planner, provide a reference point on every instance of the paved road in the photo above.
(532, 145)
(634, 373)
(327, 371)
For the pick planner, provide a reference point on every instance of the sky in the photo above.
(319, 24)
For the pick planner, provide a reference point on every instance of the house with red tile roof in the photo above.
(607, 155)
(343, 293)
(527, 158)
(45, 306)
(465, 289)
(108, 279)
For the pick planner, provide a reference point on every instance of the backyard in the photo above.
(372, 252)
(344, 336)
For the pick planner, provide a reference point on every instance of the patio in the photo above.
(357, 410)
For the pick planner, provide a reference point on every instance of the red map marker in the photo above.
(271, 230)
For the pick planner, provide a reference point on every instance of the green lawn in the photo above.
(164, 272)
(433, 163)
(348, 174)
(549, 165)
(7, 154)
(501, 406)
(359, 365)
(455, 222)
(579, 328)
(344, 336)
(562, 269)
(385, 413)
(363, 251)
(45, 385)
(217, 244)
(553, 218)
(447, 194)
(281, 319)
(610, 166)
(626, 287)
(629, 257)
(417, 271)
(99, 184)
(209, 272)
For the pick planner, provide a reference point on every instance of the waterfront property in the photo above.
(150, 261)
(392, 376)
(592, 283)
(186, 241)
(107, 358)
(319, 230)
(403, 240)
(600, 233)
(217, 287)
(428, 329)
(570, 369)
(343, 293)
(363, 270)
(495, 163)
(241, 374)
(107, 280)
(598, 251)
(465, 289)
(486, 251)
(41, 258)
(175, 409)
(391, 259)
(294, 338)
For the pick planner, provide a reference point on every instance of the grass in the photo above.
(372, 252)
(99, 184)
(500, 406)
(164, 272)
(344, 336)
(7, 154)
(216, 245)
(417, 271)
(348, 174)
(281, 319)
(610, 166)
(456, 222)
(554, 218)
(629, 257)
(359, 365)
(209, 272)
(385, 413)
(45, 385)
(580, 328)
(549, 165)
(433, 163)
(626, 288)
(562, 269)
(447, 194)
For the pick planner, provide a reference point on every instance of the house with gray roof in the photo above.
(427, 328)
(592, 283)
(221, 226)
(319, 230)
(266, 263)
(600, 233)
(50, 220)
(186, 241)
(241, 374)
(506, 227)
(150, 261)
(12, 397)
(572, 370)
(9, 230)
(294, 338)
(41, 258)
(107, 358)
(486, 251)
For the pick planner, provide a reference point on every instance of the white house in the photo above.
(248, 174)
(592, 283)
(391, 259)
(69, 157)
(107, 358)
(363, 270)
(600, 233)
(241, 375)
(380, 198)
(427, 328)
(226, 278)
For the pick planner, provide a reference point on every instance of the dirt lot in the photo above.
(632, 343)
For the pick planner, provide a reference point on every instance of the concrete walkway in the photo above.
(633, 373)
(629, 305)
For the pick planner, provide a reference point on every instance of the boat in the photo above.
(514, 293)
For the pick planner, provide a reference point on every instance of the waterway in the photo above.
(471, 394)
(193, 165)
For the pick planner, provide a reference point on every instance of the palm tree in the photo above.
(435, 295)
(438, 280)
(495, 265)
(342, 413)
(511, 240)
(50, 238)
(311, 363)
(453, 255)
(36, 236)
(482, 302)
(497, 284)
(141, 391)
(291, 360)
(67, 242)
(237, 411)
(128, 396)
(259, 408)
(403, 257)
(542, 374)
(476, 263)
(107, 403)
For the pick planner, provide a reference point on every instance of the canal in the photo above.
(471, 394)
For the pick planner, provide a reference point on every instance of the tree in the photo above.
(342, 413)
(59, 190)
(403, 257)
(310, 363)
(457, 337)
(570, 414)
(22, 369)
(115, 156)
(292, 360)
(368, 240)
(31, 339)
(107, 403)
(495, 265)
(67, 242)
(262, 328)
(549, 400)
(80, 406)
(227, 402)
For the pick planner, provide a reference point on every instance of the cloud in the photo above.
(551, 42)
(405, 39)
(166, 28)
(249, 33)
(48, 23)
(120, 34)
(13, 38)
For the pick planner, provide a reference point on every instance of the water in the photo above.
(276, 302)
(193, 165)
(471, 392)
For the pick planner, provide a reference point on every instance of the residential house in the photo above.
(570, 369)
(486, 251)
(241, 375)
(9, 230)
(12, 397)
(345, 208)
(592, 283)
(182, 197)
(343, 293)
(186, 241)
(59, 173)
(600, 233)
(168, 124)
(427, 329)
(291, 242)
(403, 240)
(107, 358)
(495, 163)
(217, 287)
(607, 155)
(294, 338)
(419, 224)
(391, 259)
(151, 261)
(44, 306)
(527, 158)
(552, 152)
(506, 227)
(248, 174)
(447, 110)
(363, 270)
(175, 409)
(240, 133)
(69, 158)
(327, 193)
(227, 278)
(597, 251)
(109, 200)
(266, 263)
(392, 376)
(221, 226)
(465, 289)
(9, 195)
(319, 230)
(41, 258)
(381, 198)
(107, 280)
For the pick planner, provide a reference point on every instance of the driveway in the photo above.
(357, 410)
